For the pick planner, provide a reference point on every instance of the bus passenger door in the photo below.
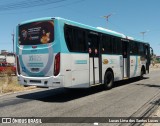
(94, 58)
(147, 53)
(126, 60)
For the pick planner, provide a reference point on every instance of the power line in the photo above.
(28, 4)
(46, 9)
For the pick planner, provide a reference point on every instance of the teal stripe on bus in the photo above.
(38, 51)
(81, 62)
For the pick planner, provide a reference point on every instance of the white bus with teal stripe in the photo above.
(55, 52)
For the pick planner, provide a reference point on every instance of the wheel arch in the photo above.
(108, 83)
(143, 69)
(109, 69)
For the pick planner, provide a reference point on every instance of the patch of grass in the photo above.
(9, 83)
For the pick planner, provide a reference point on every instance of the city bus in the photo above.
(56, 52)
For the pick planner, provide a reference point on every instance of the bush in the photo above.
(9, 83)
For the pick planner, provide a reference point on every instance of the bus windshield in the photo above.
(35, 33)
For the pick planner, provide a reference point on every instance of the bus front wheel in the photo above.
(141, 74)
(108, 80)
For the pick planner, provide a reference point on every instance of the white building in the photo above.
(7, 57)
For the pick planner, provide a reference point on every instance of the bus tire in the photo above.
(108, 80)
(142, 72)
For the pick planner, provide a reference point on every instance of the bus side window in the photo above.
(106, 44)
(103, 44)
(93, 44)
(119, 46)
(69, 37)
(141, 49)
(146, 51)
(80, 40)
(75, 39)
(133, 48)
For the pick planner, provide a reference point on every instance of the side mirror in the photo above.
(151, 51)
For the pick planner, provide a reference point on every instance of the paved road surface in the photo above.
(134, 98)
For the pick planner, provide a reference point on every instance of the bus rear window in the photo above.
(36, 33)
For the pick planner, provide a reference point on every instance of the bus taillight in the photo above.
(57, 64)
(18, 66)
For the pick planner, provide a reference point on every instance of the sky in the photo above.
(130, 17)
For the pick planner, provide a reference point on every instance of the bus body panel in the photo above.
(115, 63)
(77, 70)
(36, 62)
(136, 63)
(75, 67)
(134, 66)
(94, 71)
(80, 70)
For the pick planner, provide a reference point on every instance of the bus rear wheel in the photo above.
(108, 80)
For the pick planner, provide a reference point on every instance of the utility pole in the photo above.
(144, 32)
(13, 40)
(107, 17)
